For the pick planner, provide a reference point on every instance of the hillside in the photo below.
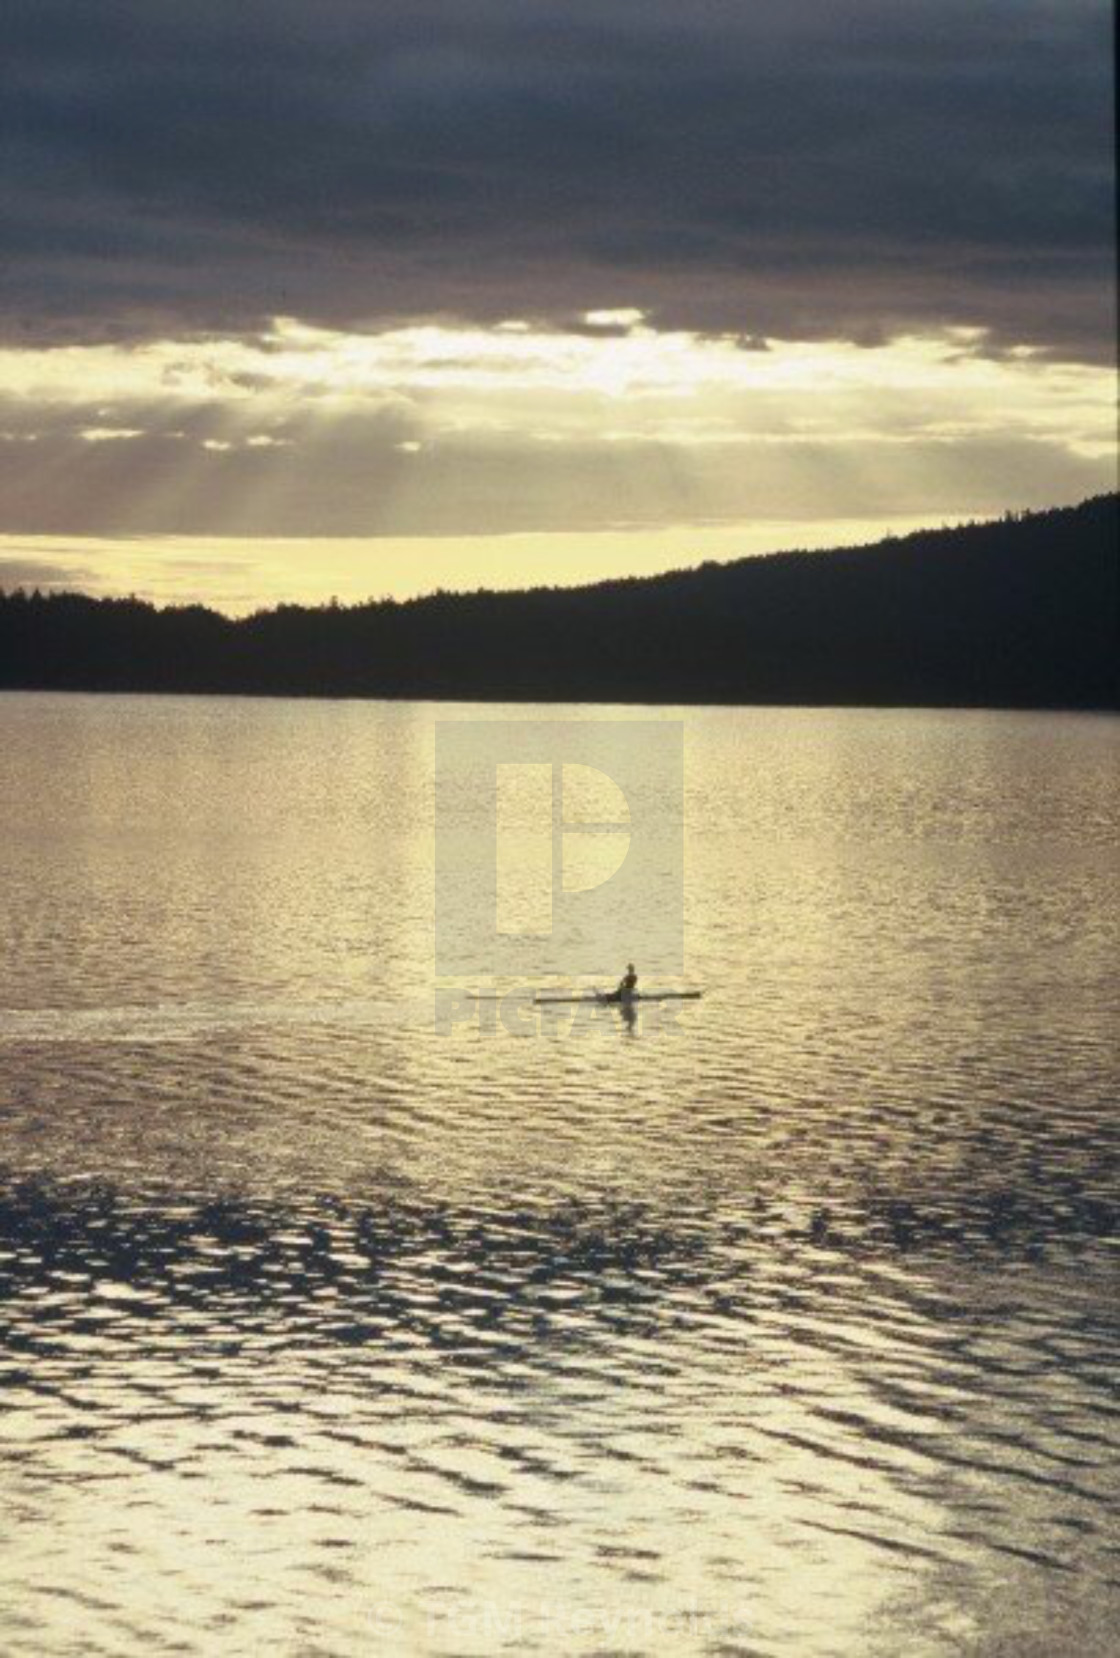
(1019, 612)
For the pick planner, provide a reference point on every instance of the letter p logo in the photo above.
(559, 846)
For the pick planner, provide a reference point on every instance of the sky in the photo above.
(305, 298)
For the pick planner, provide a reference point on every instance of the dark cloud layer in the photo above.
(794, 168)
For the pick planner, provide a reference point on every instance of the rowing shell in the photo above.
(614, 997)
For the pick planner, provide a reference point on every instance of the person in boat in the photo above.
(627, 984)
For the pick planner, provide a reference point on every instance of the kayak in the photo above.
(617, 997)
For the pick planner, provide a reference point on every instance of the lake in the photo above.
(785, 1324)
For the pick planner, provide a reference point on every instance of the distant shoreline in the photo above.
(1019, 613)
(1103, 709)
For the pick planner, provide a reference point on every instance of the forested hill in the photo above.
(1020, 612)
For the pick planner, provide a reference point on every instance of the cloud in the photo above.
(797, 171)
(460, 432)
(36, 572)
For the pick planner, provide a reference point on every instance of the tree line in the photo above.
(1018, 612)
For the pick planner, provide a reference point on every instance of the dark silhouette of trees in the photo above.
(1020, 612)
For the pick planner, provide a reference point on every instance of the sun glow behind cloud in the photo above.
(619, 356)
(445, 442)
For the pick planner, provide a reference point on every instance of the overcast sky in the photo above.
(330, 296)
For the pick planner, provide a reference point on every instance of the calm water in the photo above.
(785, 1327)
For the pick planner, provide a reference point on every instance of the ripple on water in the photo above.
(786, 1328)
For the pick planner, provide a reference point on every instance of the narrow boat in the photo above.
(617, 996)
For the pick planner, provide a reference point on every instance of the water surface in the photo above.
(786, 1326)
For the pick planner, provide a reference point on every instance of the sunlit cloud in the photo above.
(444, 369)
(447, 434)
(628, 317)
